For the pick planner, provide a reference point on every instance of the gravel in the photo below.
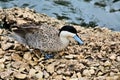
(97, 59)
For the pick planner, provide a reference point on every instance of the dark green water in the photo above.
(105, 13)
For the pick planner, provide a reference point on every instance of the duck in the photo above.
(44, 37)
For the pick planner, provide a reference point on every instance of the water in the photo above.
(105, 13)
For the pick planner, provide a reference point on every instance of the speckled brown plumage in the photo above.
(42, 36)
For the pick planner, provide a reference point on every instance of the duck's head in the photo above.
(69, 32)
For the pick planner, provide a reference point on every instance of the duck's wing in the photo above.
(37, 36)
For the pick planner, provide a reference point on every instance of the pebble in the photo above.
(79, 75)
(1, 31)
(112, 56)
(39, 75)
(20, 76)
(118, 58)
(16, 57)
(27, 56)
(32, 72)
(86, 73)
(6, 46)
(107, 63)
(50, 68)
(2, 66)
(71, 56)
(92, 71)
(45, 74)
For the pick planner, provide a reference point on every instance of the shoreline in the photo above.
(98, 58)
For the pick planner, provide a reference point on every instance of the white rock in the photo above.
(118, 58)
(46, 74)
(92, 71)
(32, 72)
(107, 63)
(1, 66)
(39, 75)
(20, 76)
(27, 56)
(112, 56)
(86, 73)
(71, 56)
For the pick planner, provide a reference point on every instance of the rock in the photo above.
(112, 56)
(92, 71)
(107, 63)
(20, 47)
(118, 58)
(74, 79)
(6, 73)
(6, 46)
(20, 76)
(27, 56)
(70, 56)
(50, 68)
(45, 74)
(2, 66)
(79, 75)
(67, 73)
(86, 73)
(113, 78)
(2, 52)
(99, 73)
(16, 57)
(58, 77)
(32, 72)
(1, 31)
(39, 75)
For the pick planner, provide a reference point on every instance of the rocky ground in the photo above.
(97, 59)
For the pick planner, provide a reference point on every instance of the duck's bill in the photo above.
(77, 38)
